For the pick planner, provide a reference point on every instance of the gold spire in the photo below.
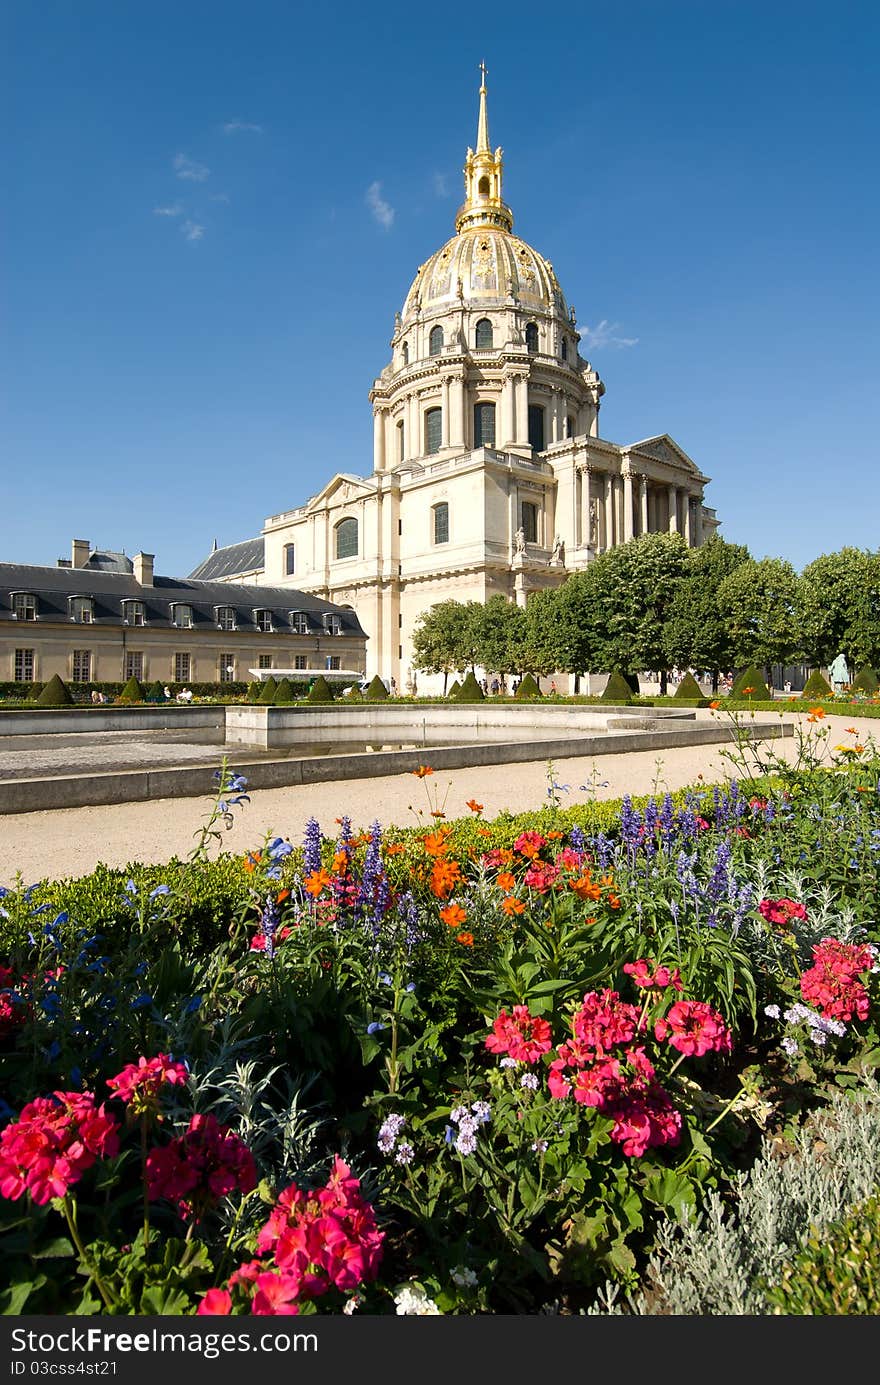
(483, 204)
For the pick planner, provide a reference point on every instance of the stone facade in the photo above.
(489, 474)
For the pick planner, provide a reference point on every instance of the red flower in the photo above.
(216, 1303)
(833, 983)
(694, 1028)
(53, 1142)
(198, 1168)
(781, 911)
(529, 844)
(521, 1034)
(658, 979)
(139, 1084)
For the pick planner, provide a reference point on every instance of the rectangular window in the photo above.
(133, 612)
(182, 617)
(333, 625)
(536, 427)
(227, 668)
(264, 621)
(82, 666)
(530, 521)
(226, 617)
(264, 661)
(441, 523)
(333, 661)
(299, 622)
(81, 609)
(24, 666)
(24, 606)
(433, 430)
(289, 559)
(400, 454)
(134, 664)
(182, 665)
(484, 425)
(300, 661)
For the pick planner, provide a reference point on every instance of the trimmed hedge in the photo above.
(817, 686)
(866, 681)
(470, 690)
(617, 690)
(753, 678)
(284, 693)
(267, 693)
(688, 687)
(377, 691)
(528, 688)
(55, 694)
(320, 690)
(454, 689)
(132, 692)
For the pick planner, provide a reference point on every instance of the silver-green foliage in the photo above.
(715, 1263)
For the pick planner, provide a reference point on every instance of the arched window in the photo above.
(536, 427)
(400, 441)
(433, 430)
(531, 336)
(441, 522)
(569, 426)
(404, 351)
(483, 187)
(563, 349)
(484, 425)
(347, 538)
(483, 334)
(289, 559)
(435, 341)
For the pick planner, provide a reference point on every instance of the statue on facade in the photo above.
(520, 540)
(594, 522)
(558, 551)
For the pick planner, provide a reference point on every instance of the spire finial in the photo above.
(483, 123)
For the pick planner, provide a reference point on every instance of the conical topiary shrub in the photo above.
(284, 693)
(353, 694)
(35, 690)
(320, 691)
(454, 689)
(254, 690)
(528, 687)
(470, 690)
(617, 690)
(132, 692)
(55, 694)
(688, 687)
(155, 692)
(752, 678)
(817, 686)
(377, 691)
(866, 681)
(267, 692)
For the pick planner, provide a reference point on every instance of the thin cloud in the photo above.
(192, 230)
(604, 334)
(234, 127)
(189, 170)
(175, 210)
(382, 211)
(441, 185)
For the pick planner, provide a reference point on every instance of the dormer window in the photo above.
(24, 606)
(332, 624)
(263, 621)
(181, 616)
(133, 613)
(299, 622)
(82, 610)
(226, 617)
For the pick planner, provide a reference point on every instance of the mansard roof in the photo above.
(247, 556)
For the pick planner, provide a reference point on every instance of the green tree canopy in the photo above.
(838, 603)
(441, 640)
(758, 602)
(697, 634)
(498, 628)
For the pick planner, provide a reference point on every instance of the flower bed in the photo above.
(459, 1067)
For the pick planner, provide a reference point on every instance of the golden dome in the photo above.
(484, 265)
(484, 262)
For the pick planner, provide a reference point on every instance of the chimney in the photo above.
(143, 568)
(80, 550)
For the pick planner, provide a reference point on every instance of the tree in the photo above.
(498, 629)
(757, 601)
(543, 649)
(441, 640)
(613, 615)
(697, 635)
(838, 604)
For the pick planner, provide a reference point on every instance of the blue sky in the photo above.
(213, 209)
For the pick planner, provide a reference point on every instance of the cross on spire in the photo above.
(485, 72)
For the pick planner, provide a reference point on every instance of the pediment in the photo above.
(664, 449)
(340, 489)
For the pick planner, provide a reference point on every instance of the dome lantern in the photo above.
(483, 204)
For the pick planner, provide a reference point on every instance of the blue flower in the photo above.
(192, 1005)
(160, 889)
(140, 1001)
(279, 848)
(374, 1027)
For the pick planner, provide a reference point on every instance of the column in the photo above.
(379, 420)
(459, 432)
(507, 421)
(413, 442)
(522, 410)
(688, 522)
(444, 412)
(672, 507)
(698, 521)
(609, 513)
(644, 527)
(627, 505)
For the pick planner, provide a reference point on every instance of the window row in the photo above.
(484, 340)
(230, 666)
(24, 606)
(484, 434)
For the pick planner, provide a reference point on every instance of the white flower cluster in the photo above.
(412, 1300)
(465, 1140)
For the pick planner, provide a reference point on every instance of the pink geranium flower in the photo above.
(52, 1144)
(521, 1035)
(139, 1084)
(694, 1028)
(648, 977)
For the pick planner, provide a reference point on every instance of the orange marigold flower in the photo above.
(613, 901)
(530, 850)
(394, 848)
(713, 706)
(554, 836)
(316, 882)
(437, 843)
(505, 855)
(422, 771)
(474, 806)
(851, 731)
(505, 881)
(511, 905)
(281, 896)
(466, 939)
(746, 691)
(484, 831)
(437, 814)
(340, 860)
(453, 915)
(585, 888)
(445, 875)
(816, 712)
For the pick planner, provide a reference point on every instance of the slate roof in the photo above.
(247, 556)
(53, 586)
